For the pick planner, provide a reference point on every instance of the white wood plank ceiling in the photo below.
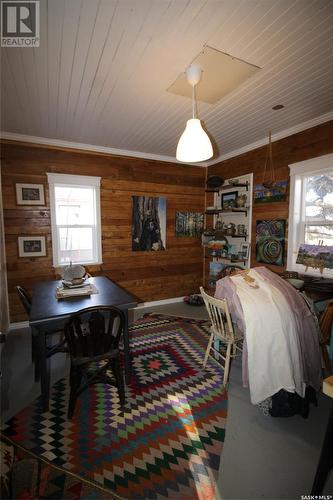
(103, 66)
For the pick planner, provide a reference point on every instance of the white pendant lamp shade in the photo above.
(194, 144)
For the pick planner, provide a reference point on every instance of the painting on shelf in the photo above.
(148, 223)
(228, 200)
(270, 237)
(267, 195)
(189, 224)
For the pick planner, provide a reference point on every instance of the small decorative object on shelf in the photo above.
(207, 236)
(241, 230)
(219, 223)
(230, 229)
(241, 200)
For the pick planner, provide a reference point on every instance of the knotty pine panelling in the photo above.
(310, 143)
(148, 275)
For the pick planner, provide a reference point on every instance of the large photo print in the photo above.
(148, 223)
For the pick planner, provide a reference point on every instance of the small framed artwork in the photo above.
(228, 200)
(31, 246)
(30, 194)
(245, 250)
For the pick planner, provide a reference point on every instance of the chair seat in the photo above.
(237, 336)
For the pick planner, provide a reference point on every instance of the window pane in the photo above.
(76, 245)
(320, 234)
(74, 206)
(319, 198)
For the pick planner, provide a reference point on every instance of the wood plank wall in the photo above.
(148, 275)
(313, 142)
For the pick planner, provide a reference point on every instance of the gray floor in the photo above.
(263, 457)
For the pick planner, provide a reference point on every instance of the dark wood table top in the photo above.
(45, 306)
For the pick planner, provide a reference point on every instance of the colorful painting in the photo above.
(189, 224)
(148, 223)
(270, 236)
(267, 195)
(316, 256)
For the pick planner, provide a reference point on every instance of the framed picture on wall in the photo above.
(228, 200)
(31, 246)
(30, 194)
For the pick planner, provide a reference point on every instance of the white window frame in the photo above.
(65, 180)
(314, 166)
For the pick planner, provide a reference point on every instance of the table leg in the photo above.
(43, 366)
(127, 352)
(34, 357)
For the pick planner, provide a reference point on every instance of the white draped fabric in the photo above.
(274, 359)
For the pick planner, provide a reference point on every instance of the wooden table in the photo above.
(47, 312)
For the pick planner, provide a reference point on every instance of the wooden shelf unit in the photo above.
(243, 215)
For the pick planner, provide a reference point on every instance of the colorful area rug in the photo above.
(167, 441)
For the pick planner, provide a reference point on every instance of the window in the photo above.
(310, 209)
(75, 219)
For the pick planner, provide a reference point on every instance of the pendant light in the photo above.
(194, 144)
(269, 181)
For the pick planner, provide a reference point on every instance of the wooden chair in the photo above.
(93, 336)
(222, 330)
(325, 324)
(51, 349)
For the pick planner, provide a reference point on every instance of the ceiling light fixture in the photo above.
(194, 144)
(269, 182)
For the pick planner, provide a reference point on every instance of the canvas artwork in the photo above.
(189, 224)
(270, 236)
(315, 256)
(266, 195)
(148, 223)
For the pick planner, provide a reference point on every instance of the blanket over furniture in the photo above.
(281, 345)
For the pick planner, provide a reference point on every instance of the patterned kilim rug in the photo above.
(168, 440)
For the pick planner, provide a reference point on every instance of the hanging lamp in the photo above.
(269, 182)
(194, 144)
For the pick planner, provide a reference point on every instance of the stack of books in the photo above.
(63, 292)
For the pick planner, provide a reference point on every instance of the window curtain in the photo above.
(4, 308)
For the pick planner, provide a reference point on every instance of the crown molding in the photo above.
(170, 159)
(275, 137)
(45, 141)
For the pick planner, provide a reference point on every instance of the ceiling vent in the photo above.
(222, 74)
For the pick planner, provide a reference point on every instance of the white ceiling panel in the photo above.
(102, 69)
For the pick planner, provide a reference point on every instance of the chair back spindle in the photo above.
(24, 298)
(222, 331)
